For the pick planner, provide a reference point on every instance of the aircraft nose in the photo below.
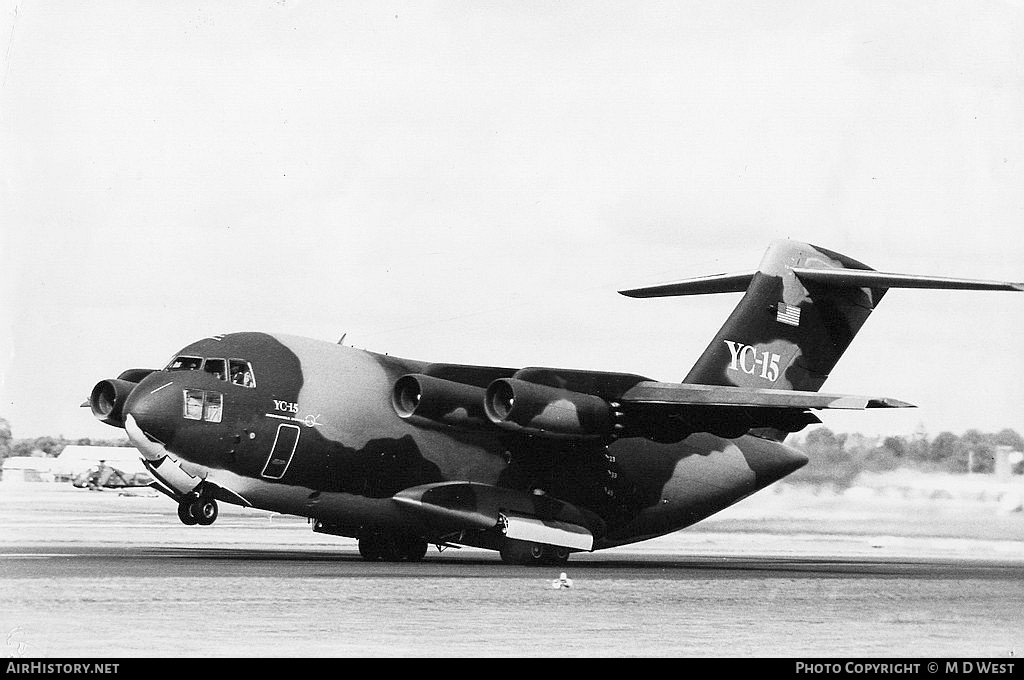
(156, 408)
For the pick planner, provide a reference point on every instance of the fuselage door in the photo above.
(285, 442)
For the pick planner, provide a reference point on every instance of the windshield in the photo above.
(185, 364)
(236, 371)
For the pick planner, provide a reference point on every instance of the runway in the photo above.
(87, 574)
(30, 562)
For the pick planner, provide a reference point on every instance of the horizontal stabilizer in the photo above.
(840, 278)
(867, 278)
(718, 283)
(651, 392)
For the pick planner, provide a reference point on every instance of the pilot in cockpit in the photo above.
(242, 376)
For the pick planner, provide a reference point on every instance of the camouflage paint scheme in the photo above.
(668, 455)
(354, 453)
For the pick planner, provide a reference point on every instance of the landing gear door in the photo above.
(281, 452)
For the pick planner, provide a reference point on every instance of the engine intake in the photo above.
(551, 411)
(428, 399)
(107, 400)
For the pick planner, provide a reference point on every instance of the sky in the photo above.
(472, 182)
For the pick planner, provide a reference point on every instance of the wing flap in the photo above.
(551, 532)
(476, 506)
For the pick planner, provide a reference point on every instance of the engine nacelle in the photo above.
(107, 400)
(427, 399)
(135, 375)
(550, 411)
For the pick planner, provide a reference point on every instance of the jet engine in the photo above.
(551, 411)
(135, 375)
(108, 396)
(107, 400)
(426, 399)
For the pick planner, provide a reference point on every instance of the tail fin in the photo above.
(802, 308)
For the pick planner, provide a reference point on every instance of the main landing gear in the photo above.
(201, 510)
(514, 551)
(391, 547)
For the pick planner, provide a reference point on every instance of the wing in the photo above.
(572, 404)
(669, 411)
(650, 392)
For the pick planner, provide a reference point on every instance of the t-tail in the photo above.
(802, 308)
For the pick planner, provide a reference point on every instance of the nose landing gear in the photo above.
(201, 510)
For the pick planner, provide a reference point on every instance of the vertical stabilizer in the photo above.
(787, 333)
(801, 310)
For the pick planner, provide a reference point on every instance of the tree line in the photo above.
(48, 446)
(838, 458)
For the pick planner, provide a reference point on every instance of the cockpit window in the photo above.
(216, 368)
(203, 405)
(214, 406)
(236, 371)
(185, 364)
(193, 404)
(241, 373)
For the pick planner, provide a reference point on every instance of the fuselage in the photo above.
(533, 462)
(312, 432)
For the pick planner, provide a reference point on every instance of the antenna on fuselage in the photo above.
(341, 340)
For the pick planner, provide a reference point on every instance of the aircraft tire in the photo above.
(374, 546)
(556, 554)
(370, 547)
(392, 548)
(522, 552)
(527, 553)
(185, 514)
(414, 549)
(205, 511)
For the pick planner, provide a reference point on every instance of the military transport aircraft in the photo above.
(536, 463)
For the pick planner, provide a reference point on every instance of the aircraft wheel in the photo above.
(556, 554)
(376, 546)
(522, 552)
(185, 514)
(205, 511)
(392, 548)
(414, 548)
(370, 547)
